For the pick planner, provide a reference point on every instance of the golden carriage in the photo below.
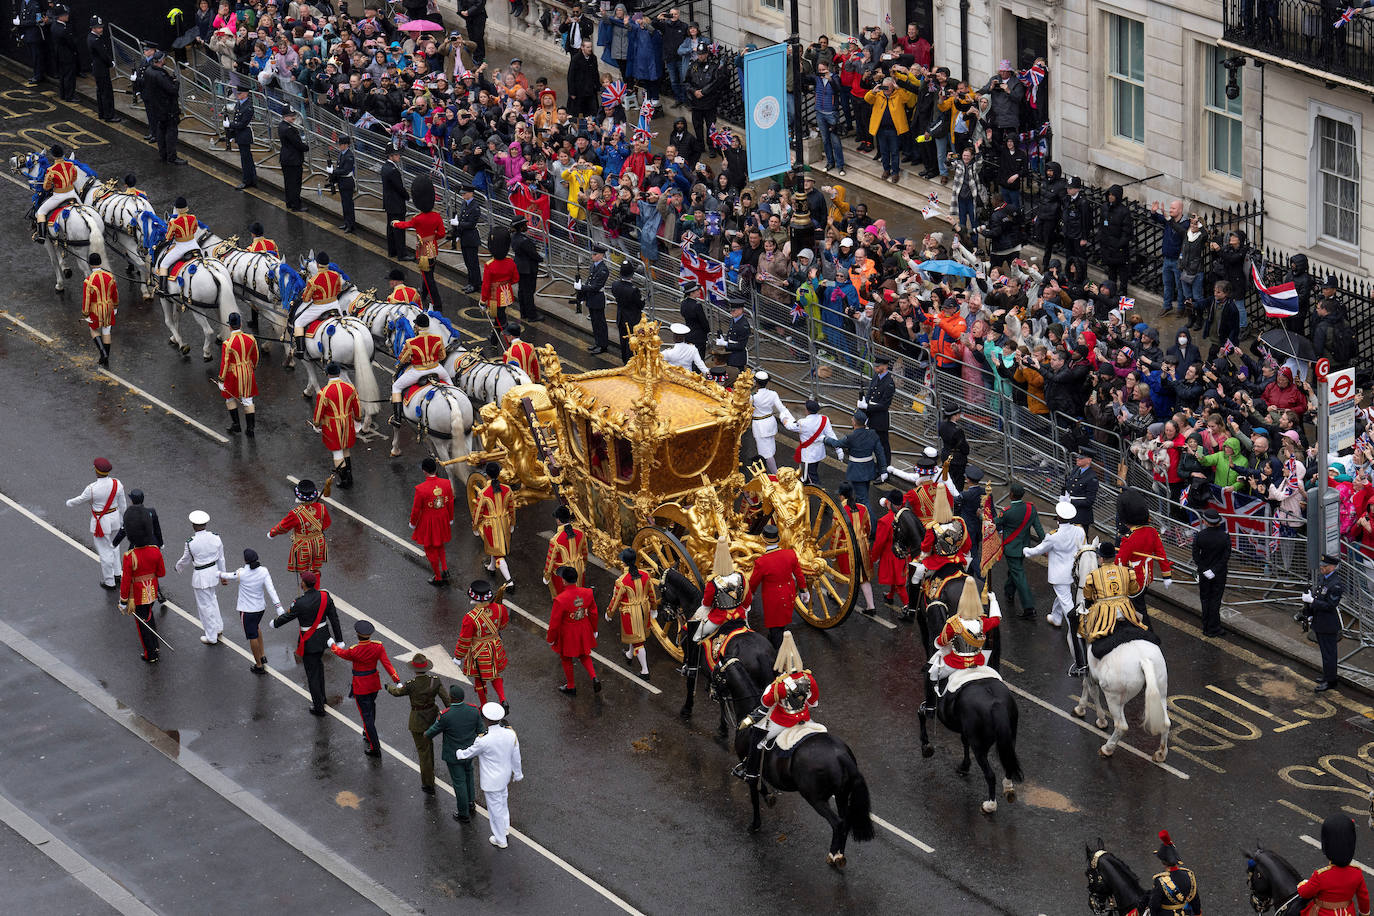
(647, 455)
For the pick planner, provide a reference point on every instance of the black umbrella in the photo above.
(1285, 342)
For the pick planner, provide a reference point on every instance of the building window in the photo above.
(1223, 119)
(1126, 78)
(846, 15)
(1338, 179)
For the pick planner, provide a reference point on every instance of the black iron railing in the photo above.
(1305, 33)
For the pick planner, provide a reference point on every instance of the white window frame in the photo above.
(1211, 114)
(773, 6)
(1315, 207)
(836, 25)
(1114, 78)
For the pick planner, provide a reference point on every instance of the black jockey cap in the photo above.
(513, 329)
(567, 574)
(1338, 839)
(628, 556)
(234, 320)
(136, 497)
(332, 370)
(770, 532)
(93, 259)
(180, 203)
(429, 465)
(1166, 852)
(894, 498)
(130, 179)
(250, 556)
(396, 274)
(256, 229)
(321, 259)
(56, 151)
(422, 320)
(562, 514)
(493, 471)
(364, 628)
(1107, 549)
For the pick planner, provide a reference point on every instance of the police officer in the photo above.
(527, 260)
(1080, 488)
(238, 127)
(102, 64)
(394, 200)
(953, 444)
(64, 43)
(1321, 614)
(292, 158)
(341, 179)
(469, 238)
(1212, 557)
(162, 96)
(736, 337)
(33, 19)
(970, 500)
(422, 690)
(139, 81)
(593, 290)
(629, 306)
(865, 458)
(877, 401)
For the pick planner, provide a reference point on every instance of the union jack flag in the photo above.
(709, 274)
(1125, 302)
(1350, 13)
(642, 131)
(720, 137)
(1032, 79)
(613, 94)
(1247, 525)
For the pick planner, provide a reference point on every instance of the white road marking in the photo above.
(415, 549)
(1088, 726)
(396, 639)
(334, 713)
(1311, 841)
(26, 326)
(898, 831)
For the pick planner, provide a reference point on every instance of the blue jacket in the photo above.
(649, 223)
(864, 455)
(646, 52)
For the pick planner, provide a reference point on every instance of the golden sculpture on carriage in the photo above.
(647, 455)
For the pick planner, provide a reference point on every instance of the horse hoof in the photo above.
(1008, 791)
(836, 860)
(1106, 751)
(306, 394)
(927, 751)
(770, 799)
(684, 714)
(961, 770)
(1103, 723)
(185, 349)
(754, 827)
(1080, 711)
(1158, 756)
(395, 454)
(207, 358)
(989, 807)
(57, 290)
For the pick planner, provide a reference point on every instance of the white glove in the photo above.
(453, 222)
(1168, 581)
(280, 612)
(994, 610)
(882, 478)
(577, 285)
(330, 642)
(1307, 598)
(1208, 574)
(720, 341)
(457, 661)
(546, 581)
(839, 454)
(412, 527)
(863, 404)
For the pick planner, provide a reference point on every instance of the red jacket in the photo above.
(719, 615)
(572, 622)
(780, 575)
(142, 567)
(1334, 885)
(429, 232)
(1140, 543)
(336, 411)
(431, 512)
(521, 354)
(365, 656)
(238, 358)
(891, 568)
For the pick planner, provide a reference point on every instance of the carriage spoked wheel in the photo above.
(660, 550)
(477, 482)
(832, 592)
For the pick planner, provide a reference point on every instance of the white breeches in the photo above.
(108, 553)
(52, 203)
(103, 331)
(246, 402)
(178, 251)
(498, 812)
(313, 311)
(772, 731)
(413, 375)
(207, 607)
(1063, 602)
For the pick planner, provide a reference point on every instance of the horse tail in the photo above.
(363, 378)
(858, 818)
(1004, 726)
(97, 241)
(226, 301)
(460, 431)
(1156, 682)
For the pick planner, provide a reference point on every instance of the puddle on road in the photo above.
(347, 799)
(1041, 797)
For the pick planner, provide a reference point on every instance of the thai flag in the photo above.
(709, 274)
(1280, 300)
(642, 131)
(613, 95)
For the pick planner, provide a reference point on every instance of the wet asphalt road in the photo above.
(617, 789)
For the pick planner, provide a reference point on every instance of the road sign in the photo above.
(1323, 368)
(1340, 386)
(1340, 429)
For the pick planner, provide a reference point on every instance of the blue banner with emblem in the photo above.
(767, 143)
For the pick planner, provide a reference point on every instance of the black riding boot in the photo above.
(100, 351)
(395, 414)
(1080, 654)
(342, 475)
(233, 426)
(250, 420)
(300, 347)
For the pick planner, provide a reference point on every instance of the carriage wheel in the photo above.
(660, 550)
(832, 592)
(477, 482)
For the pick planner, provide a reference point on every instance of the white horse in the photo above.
(341, 338)
(1121, 674)
(123, 215)
(201, 284)
(269, 284)
(72, 227)
(485, 381)
(442, 415)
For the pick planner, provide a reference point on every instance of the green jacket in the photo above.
(460, 725)
(422, 689)
(1224, 473)
(1011, 519)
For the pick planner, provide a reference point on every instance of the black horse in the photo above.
(1273, 883)
(678, 595)
(907, 534)
(984, 715)
(820, 767)
(1112, 887)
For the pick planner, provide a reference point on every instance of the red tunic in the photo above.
(325, 286)
(365, 657)
(238, 357)
(572, 622)
(61, 176)
(499, 277)
(99, 299)
(492, 519)
(1335, 890)
(336, 410)
(307, 523)
(521, 355)
(781, 578)
(719, 615)
(423, 351)
(863, 536)
(183, 228)
(891, 568)
(142, 567)
(403, 293)
(263, 246)
(479, 645)
(431, 513)
(429, 232)
(1135, 547)
(959, 661)
(772, 698)
(566, 551)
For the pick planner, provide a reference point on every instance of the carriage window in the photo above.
(599, 456)
(579, 444)
(624, 461)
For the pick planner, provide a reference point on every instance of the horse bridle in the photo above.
(1100, 900)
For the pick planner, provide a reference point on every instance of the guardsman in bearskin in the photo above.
(320, 297)
(367, 683)
(182, 240)
(1174, 889)
(857, 514)
(261, 244)
(422, 355)
(1107, 600)
(725, 597)
(779, 574)
(960, 645)
(493, 520)
(499, 278)
(634, 600)
(429, 232)
(99, 306)
(400, 290)
(479, 650)
(1338, 888)
(1141, 549)
(572, 629)
(520, 354)
(307, 522)
(567, 547)
(787, 702)
(142, 568)
(238, 381)
(431, 519)
(59, 184)
(338, 415)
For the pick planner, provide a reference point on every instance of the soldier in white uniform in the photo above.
(682, 354)
(1062, 546)
(205, 552)
(768, 409)
(811, 430)
(498, 755)
(106, 501)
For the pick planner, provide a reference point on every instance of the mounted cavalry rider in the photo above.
(960, 645)
(1175, 889)
(724, 599)
(1142, 549)
(423, 355)
(59, 184)
(320, 298)
(182, 239)
(787, 702)
(942, 563)
(261, 244)
(1107, 599)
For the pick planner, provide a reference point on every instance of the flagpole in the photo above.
(798, 129)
